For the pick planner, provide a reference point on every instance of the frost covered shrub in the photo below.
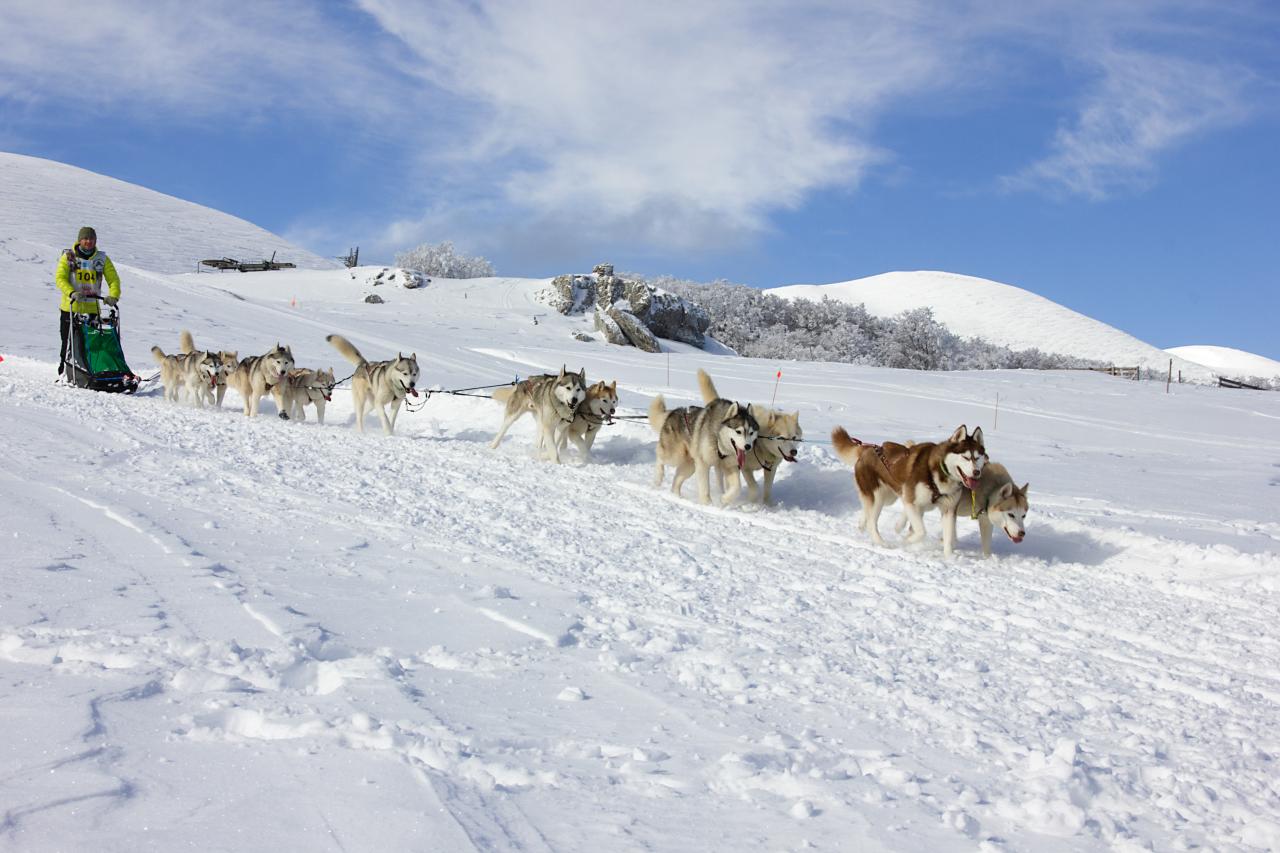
(443, 261)
(759, 325)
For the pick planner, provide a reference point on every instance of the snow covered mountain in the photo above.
(257, 635)
(45, 203)
(1000, 313)
(1228, 361)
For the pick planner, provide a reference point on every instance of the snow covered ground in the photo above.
(1001, 314)
(230, 634)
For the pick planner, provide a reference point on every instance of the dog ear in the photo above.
(960, 434)
(1024, 488)
(562, 371)
(977, 436)
(614, 386)
(582, 374)
(1006, 491)
(733, 411)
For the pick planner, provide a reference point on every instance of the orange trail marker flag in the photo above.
(775, 387)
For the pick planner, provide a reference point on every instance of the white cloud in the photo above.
(668, 121)
(1143, 106)
(663, 124)
(192, 61)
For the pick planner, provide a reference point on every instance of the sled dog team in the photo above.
(375, 385)
(729, 439)
(722, 436)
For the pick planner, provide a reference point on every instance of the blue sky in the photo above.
(1116, 157)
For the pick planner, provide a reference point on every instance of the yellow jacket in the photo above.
(87, 274)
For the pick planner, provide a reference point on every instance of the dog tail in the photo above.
(502, 395)
(707, 387)
(657, 413)
(344, 346)
(186, 343)
(845, 446)
(158, 355)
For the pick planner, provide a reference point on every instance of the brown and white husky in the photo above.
(925, 476)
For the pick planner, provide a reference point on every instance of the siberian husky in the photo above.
(553, 399)
(226, 361)
(929, 475)
(698, 439)
(997, 502)
(255, 376)
(195, 371)
(302, 387)
(378, 384)
(595, 411)
(779, 439)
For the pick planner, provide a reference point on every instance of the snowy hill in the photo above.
(1228, 361)
(45, 203)
(1000, 313)
(237, 634)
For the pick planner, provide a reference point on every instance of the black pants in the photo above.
(64, 329)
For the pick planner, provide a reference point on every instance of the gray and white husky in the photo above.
(255, 376)
(227, 360)
(553, 400)
(303, 387)
(378, 384)
(196, 371)
(996, 502)
(594, 412)
(779, 439)
(699, 439)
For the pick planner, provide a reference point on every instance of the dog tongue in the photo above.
(413, 392)
(742, 458)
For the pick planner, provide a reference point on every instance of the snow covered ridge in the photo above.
(45, 203)
(1001, 314)
(1231, 363)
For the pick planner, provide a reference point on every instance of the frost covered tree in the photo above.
(443, 261)
(760, 325)
(917, 341)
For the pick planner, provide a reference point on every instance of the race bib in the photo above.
(86, 276)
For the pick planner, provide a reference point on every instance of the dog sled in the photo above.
(94, 359)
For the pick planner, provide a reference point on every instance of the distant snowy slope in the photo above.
(1000, 313)
(1227, 361)
(46, 203)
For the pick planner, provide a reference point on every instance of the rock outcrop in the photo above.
(630, 313)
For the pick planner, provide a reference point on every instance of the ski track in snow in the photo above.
(1072, 699)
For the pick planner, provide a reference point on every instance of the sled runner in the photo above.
(94, 359)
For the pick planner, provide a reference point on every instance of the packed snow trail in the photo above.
(505, 654)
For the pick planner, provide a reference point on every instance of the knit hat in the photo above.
(86, 232)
